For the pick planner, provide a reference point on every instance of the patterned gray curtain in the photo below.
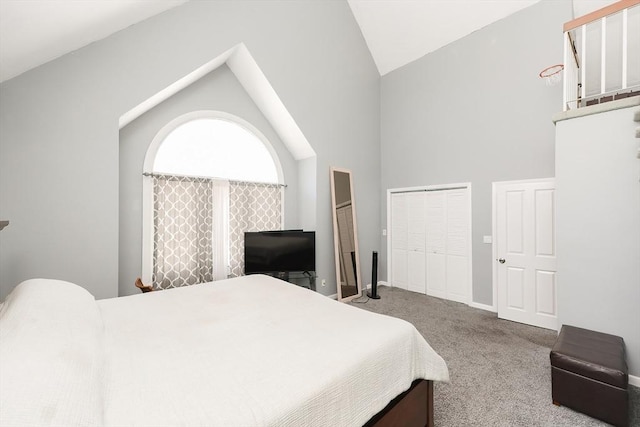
(252, 207)
(182, 228)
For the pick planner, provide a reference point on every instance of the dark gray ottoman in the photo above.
(589, 374)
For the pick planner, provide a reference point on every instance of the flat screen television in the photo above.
(279, 251)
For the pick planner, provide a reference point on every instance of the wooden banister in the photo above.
(600, 13)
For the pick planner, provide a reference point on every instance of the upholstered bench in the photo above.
(589, 374)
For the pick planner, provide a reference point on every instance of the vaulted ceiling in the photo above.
(33, 32)
(397, 32)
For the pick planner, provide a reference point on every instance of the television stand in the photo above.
(282, 275)
(306, 279)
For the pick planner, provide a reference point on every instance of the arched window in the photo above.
(215, 148)
(209, 177)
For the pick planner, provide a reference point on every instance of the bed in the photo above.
(250, 351)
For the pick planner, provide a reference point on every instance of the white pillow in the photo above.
(51, 356)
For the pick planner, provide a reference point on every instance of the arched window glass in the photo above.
(215, 148)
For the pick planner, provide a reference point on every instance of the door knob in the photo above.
(501, 260)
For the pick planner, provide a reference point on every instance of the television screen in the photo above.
(279, 251)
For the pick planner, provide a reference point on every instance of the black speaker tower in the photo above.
(374, 277)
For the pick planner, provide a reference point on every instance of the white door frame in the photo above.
(494, 228)
(466, 185)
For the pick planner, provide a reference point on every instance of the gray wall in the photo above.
(59, 160)
(475, 111)
(307, 190)
(219, 91)
(598, 226)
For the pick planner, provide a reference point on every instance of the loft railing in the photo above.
(602, 55)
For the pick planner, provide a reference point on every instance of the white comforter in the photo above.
(252, 351)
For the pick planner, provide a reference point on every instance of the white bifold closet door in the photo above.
(430, 243)
(447, 245)
(408, 241)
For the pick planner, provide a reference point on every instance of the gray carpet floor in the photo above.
(500, 370)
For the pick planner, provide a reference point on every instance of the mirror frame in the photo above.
(336, 237)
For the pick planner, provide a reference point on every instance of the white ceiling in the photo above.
(397, 32)
(401, 31)
(33, 32)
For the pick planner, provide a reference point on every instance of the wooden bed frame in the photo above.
(412, 408)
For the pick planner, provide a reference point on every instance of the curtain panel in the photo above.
(199, 226)
(252, 207)
(182, 228)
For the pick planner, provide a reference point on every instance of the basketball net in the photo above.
(552, 75)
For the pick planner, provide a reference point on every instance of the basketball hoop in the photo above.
(552, 75)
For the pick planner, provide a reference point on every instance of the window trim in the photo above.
(147, 181)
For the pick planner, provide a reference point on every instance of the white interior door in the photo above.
(525, 266)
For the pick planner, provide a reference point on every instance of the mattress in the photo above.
(250, 351)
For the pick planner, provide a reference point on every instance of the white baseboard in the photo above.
(380, 283)
(471, 304)
(483, 306)
(633, 380)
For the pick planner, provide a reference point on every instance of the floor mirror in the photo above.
(345, 235)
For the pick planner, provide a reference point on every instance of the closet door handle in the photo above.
(501, 260)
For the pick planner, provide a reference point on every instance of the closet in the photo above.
(429, 244)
